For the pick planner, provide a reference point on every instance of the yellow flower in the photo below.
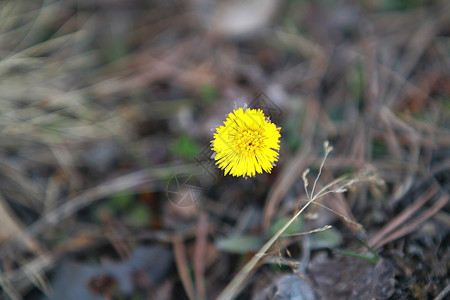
(246, 144)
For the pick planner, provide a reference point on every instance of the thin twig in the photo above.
(200, 255)
(414, 224)
(323, 228)
(328, 149)
(182, 266)
(402, 217)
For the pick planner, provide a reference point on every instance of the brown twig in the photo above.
(339, 205)
(402, 217)
(182, 266)
(414, 224)
(199, 256)
(76, 202)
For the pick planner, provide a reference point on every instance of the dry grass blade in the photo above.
(326, 227)
(10, 228)
(199, 256)
(413, 225)
(31, 272)
(402, 217)
(37, 277)
(126, 182)
(182, 266)
(9, 288)
(328, 149)
(340, 207)
(354, 225)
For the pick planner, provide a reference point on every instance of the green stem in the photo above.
(373, 260)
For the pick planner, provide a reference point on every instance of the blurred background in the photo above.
(107, 187)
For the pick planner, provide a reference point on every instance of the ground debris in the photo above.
(347, 278)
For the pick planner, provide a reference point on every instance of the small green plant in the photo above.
(372, 256)
(338, 185)
(184, 146)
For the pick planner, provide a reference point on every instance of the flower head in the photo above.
(246, 144)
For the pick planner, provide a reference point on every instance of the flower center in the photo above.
(248, 141)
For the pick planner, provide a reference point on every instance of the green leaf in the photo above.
(357, 82)
(185, 147)
(138, 216)
(329, 238)
(208, 92)
(120, 201)
(294, 228)
(240, 244)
